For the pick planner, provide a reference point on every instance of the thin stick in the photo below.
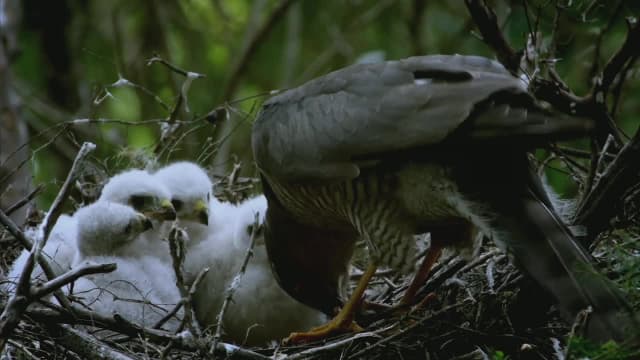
(19, 301)
(233, 286)
(25, 200)
(56, 207)
(118, 324)
(69, 277)
(177, 249)
(84, 344)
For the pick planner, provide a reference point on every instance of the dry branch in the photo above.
(120, 325)
(23, 295)
(69, 277)
(83, 344)
(487, 23)
(25, 200)
(177, 248)
(234, 285)
(57, 206)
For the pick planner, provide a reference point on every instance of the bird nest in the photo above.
(479, 308)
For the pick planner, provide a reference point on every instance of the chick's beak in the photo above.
(164, 212)
(201, 210)
(143, 223)
(147, 224)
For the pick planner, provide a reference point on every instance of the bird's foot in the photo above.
(428, 299)
(334, 327)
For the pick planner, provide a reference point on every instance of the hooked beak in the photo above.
(201, 210)
(164, 212)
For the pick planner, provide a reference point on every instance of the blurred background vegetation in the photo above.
(89, 60)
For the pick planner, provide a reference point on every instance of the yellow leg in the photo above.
(341, 323)
(421, 276)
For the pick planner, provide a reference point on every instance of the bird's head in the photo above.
(104, 227)
(190, 189)
(250, 213)
(309, 263)
(141, 191)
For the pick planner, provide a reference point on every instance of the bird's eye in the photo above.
(249, 230)
(177, 204)
(128, 228)
(208, 197)
(138, 201)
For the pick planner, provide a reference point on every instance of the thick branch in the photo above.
(487, 23)
(617, 62)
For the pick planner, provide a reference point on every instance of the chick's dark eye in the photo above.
(128, 228)
(138, 201)
(177, 204)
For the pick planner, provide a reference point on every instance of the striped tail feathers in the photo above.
(557, 262)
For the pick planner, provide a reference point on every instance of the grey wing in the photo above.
(325, 128)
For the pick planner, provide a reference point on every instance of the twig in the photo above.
(157, 59)
(616, 63)
(597, 208)
(234, 285)
(171, 126)
(69, 277)
(409, 328)
(56, 207)
(258, 38)
(177, 249)
(22, 202)
(19, 301)
(118, 324)
(593, 105)
(83, 344)
(487, 23)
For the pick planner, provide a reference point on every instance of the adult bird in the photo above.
(430, 143)
(190, 189)
(142, 288)
(147, 195)
(260, 311)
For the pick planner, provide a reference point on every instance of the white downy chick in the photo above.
(190, 189)
(260, 311)
(147, 195)
(142, 288)
(60, 250)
